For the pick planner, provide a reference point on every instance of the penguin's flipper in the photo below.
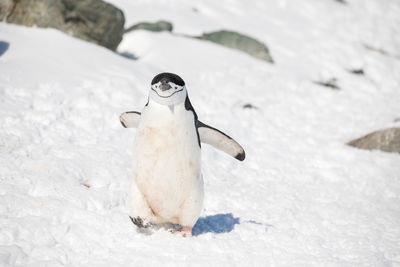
(130, 119)
(220, 140)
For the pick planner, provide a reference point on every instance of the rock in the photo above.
(6, 7)
(42, 13)
(91, 20)
(86, 185)
(249, 106)
(357, 71)
(386, 140)
(158, 26)
(330, 83)
(240, 42)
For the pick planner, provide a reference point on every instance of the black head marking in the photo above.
(168, 77)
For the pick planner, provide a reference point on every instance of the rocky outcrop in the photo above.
(91, 20)
(159, 26)
(386, 140)
(239, 41)
(6, 7)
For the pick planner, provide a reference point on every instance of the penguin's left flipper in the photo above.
(130, 119)
(220, 140)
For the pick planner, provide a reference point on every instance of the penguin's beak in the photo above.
(165, 87)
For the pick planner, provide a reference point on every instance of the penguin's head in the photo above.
(168, 89)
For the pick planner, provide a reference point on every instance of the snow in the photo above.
(301, 197)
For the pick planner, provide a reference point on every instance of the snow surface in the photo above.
(301, 197)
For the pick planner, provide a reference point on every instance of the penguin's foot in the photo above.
(140, 223)
(186, 231)
(148, 227)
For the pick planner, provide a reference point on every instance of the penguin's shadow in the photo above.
(3, 47)
(219, 223)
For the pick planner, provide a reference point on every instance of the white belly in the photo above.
(167, 162)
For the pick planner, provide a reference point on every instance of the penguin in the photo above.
(167, 185)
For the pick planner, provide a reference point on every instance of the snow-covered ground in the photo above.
(301, 197)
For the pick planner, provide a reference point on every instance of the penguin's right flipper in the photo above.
(130, 119)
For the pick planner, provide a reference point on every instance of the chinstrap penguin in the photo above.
(167, 187)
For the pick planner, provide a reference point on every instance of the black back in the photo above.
(188, 106)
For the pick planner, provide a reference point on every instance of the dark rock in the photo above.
(240, 42)
(249, 106)
(42, 13)
(91, 20)
(158, 26)
(387, 140)
(358, 71)
(330, 83)
(6, 6)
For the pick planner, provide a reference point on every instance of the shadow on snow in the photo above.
(219, 223)
(3, 47)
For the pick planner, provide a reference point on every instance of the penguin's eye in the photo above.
(176, 87)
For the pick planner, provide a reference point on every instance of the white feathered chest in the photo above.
(167, 161)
